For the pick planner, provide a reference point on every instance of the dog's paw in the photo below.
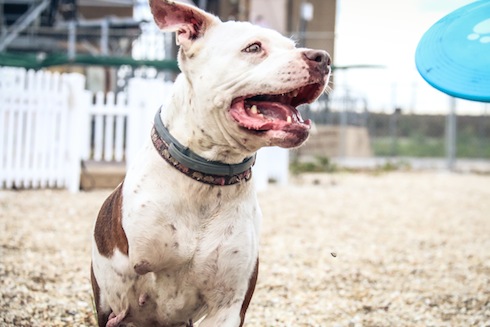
(115, 321)
(142, 267)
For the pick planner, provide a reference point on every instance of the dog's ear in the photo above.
(188, 21)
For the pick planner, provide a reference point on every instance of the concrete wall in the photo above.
(284, 16)
(273, 12)
(333, 141)
(321, 30)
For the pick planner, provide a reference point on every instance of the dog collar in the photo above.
(195, 166)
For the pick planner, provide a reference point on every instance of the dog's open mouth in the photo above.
(276, 112)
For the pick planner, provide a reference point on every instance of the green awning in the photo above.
(37, 61)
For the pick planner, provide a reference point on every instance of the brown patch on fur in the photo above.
(174, 15)
(108, 232)
(102, 317)
(250, 292)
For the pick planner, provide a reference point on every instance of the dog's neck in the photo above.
(195, 166)
(196, 126)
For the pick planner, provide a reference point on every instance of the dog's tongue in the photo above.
(265, 115)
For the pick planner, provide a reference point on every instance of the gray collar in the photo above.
(184, 159)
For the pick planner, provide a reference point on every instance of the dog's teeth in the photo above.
(254, 109)
(295, 93)
(289, 120)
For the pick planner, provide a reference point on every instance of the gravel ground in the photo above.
(395, 249)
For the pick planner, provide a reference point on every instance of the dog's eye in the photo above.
(253, 48)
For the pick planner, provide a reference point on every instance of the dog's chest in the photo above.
(203, 250)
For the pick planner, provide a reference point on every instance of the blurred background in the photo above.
(93, 58)
(80, 81)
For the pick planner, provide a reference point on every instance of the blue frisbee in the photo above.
(454, 54)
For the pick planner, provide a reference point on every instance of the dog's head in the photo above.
(249, 80)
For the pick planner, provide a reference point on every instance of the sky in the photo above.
(386, 32)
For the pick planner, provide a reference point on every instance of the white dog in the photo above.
(177, 241)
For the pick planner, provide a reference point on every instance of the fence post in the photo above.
(144, 98)
(10, 82)
(119, 126)
(136, 101)
(451, 134)
(78, 129)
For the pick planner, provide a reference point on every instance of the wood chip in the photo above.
(414, 252)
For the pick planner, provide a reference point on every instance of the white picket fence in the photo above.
(49, 123)
(118, 122)
(33, 128)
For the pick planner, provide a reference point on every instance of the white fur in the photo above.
(281, 68)
(200, 242)
(209, 230)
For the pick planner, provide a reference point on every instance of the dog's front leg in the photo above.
(233, 315)
(150, 252)
(154, 240)
(154, 251)
(225, 317)
(169, 245)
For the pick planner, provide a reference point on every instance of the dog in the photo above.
(177, 241)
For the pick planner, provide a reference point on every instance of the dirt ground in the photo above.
(393, 249)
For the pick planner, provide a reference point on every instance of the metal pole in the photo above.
(451, 135)
(289, 13)
(22, 23)
(302, 26)
(393, 127)
(203, 4)
(343, 124)
(104, 37)
(72, 39)
(3, 26)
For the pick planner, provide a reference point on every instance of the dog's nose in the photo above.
(322, 58)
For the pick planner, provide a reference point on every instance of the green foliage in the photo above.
(319, 165)
(424, 136)
(470, 146)
(414, 146)
(394, 166)
(418, 145)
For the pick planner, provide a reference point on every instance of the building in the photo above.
(45, 27)
(285, 17)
